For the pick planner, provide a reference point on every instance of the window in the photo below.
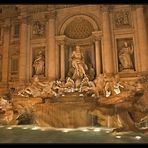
(0, 33)
(1, 10)
(14, 65)
(16, 30)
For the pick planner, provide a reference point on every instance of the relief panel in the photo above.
(38, 29)
(122, 19)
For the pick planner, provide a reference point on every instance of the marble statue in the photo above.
(38, 89)
(31, 90)
(84, 86)
(39, 64)
(108, 89)
(87, 87)
(69, 85)
(117, 84)
(78, 64)
(58, 87)
(113, 85)
(47, 90)
(6, 111)
(125, 57)
(3, 103)
(91, 72)
(107, 85)
(99, 85)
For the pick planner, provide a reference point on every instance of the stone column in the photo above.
(28, 52)
(57, 61)
(70, 53)
(107, 42)
(0, 67)
(98, 57)
(5, 56)
(142, 38)
(23, 50)
(62, 61)
(96, 37)
(51, 63)
(61, 43)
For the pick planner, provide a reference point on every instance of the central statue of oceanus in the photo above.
(79, 70)
(78, 64)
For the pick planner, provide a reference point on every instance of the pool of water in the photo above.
(35, 134)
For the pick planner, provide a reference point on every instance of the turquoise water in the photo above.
(34, 134)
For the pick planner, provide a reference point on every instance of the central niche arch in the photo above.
(78, 30)
(79, 27)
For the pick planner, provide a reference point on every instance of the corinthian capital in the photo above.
(139, 6)
(61, 39)
(51, 15)
(96, 35)
(24, 19)
(22, 9)
(106, 8)
(134, 7)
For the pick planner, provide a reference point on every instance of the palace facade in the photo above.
(113, 39)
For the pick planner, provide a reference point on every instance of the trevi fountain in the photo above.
(76, 89)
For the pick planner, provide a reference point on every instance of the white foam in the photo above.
(138, 137)
(24, 127)
(9, 127)
(65, 131)
(35, 128)
(97, 130)
(85, 130)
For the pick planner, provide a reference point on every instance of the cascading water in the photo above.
(63, 114)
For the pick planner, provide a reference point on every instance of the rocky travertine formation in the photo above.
(107, 101)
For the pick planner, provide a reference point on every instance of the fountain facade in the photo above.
(69, 69)
(77, 102)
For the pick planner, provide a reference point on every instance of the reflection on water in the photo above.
(35, 134)
(118, 137)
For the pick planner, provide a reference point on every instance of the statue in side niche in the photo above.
(125, 57)
(39, 64)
